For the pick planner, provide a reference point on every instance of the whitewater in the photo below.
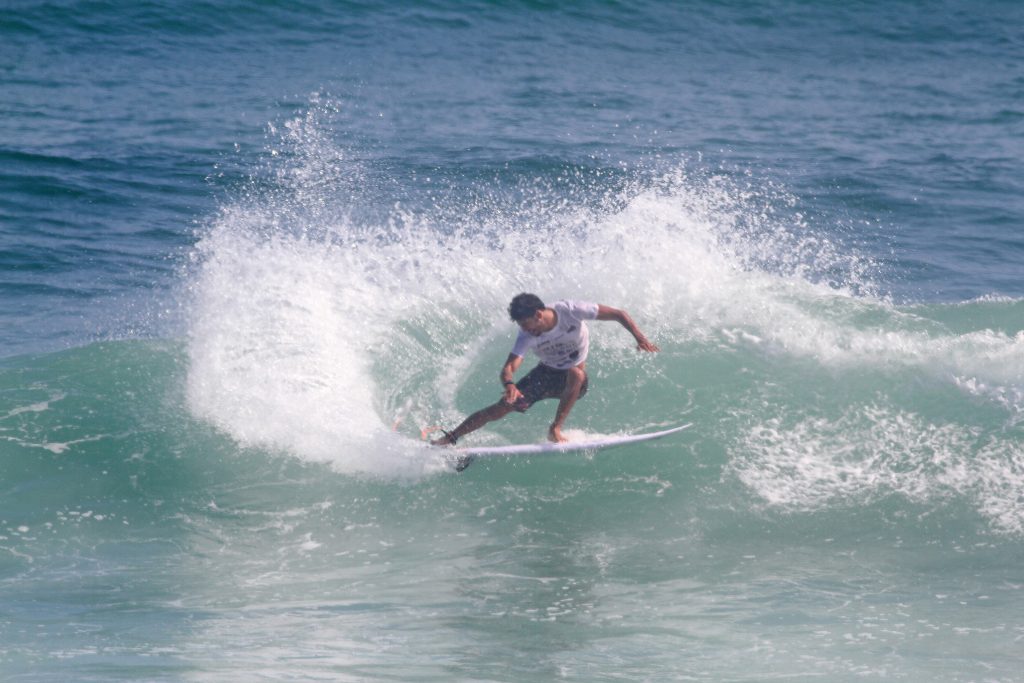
(247, 258)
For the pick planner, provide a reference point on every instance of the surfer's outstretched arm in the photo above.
(623, 318)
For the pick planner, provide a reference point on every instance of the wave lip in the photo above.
(316, 327)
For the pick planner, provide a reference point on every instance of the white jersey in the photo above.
(566, 344)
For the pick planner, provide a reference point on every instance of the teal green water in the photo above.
(851, 516)
(248, 250)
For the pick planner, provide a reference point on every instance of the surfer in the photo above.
(558, 335)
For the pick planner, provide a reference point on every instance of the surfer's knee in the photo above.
(575, 377)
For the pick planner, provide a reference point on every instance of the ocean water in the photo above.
(249, 250)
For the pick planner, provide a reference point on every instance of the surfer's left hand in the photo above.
(645, 345)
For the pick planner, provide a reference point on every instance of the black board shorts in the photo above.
(543, 382)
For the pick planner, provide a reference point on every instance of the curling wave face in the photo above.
(334, 337)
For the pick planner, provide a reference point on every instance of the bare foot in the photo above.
(555, 434)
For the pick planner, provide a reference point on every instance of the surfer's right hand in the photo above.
(512, 394)
(515, 398)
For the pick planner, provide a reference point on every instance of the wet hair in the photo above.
(524, 306)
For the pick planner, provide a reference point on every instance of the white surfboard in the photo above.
(461, 457)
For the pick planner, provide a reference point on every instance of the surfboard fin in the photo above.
(462, 462)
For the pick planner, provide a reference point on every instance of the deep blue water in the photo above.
(248, 249)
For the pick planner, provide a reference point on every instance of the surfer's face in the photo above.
(532, 325)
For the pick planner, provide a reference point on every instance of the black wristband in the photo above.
(507, 382)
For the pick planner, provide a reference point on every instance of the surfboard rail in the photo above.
(462, 457)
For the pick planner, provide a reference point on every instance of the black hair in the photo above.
(524, 306)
